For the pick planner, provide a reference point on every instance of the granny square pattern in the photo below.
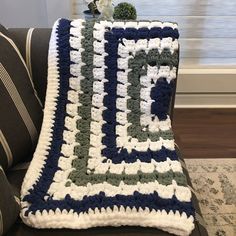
(106, 152)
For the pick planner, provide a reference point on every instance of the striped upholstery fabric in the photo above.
(9, 204)
(20, 107)
(33, 45)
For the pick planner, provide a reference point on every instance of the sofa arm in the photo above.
(9, 204)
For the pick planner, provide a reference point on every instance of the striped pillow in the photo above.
(9, 204)
(20, 108)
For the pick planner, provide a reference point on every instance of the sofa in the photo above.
(34, 50)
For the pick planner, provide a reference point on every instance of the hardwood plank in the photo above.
(206, 133)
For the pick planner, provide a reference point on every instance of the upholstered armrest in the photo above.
(9, 204)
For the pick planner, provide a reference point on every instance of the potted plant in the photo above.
(125, 11)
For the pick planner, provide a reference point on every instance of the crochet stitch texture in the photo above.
(106, 152)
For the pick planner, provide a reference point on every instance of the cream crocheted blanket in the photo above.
(106, 152)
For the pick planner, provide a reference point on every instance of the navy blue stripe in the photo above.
(151, 201)
(117, 156)
(51, 163)
(145, 33)
(161, 93)
(109, 101)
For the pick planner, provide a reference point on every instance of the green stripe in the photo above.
(82, 179)
(138, 66)
(84, 111)
(153, 57)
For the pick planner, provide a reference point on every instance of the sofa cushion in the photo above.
(20, 108)
(20, 229)
(33, 45)
(9, 204)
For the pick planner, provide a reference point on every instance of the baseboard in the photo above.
(206, 81)
(205, 101)
(206, 88)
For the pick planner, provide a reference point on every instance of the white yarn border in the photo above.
(175, 223)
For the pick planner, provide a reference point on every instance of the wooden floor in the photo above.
(206, 133)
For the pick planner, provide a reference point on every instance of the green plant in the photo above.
(125, 11)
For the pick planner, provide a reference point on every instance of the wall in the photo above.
(33, 13)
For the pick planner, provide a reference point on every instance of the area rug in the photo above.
(214, 181)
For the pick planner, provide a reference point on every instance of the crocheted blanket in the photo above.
(106, 153)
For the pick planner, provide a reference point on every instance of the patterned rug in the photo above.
(214, 181)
